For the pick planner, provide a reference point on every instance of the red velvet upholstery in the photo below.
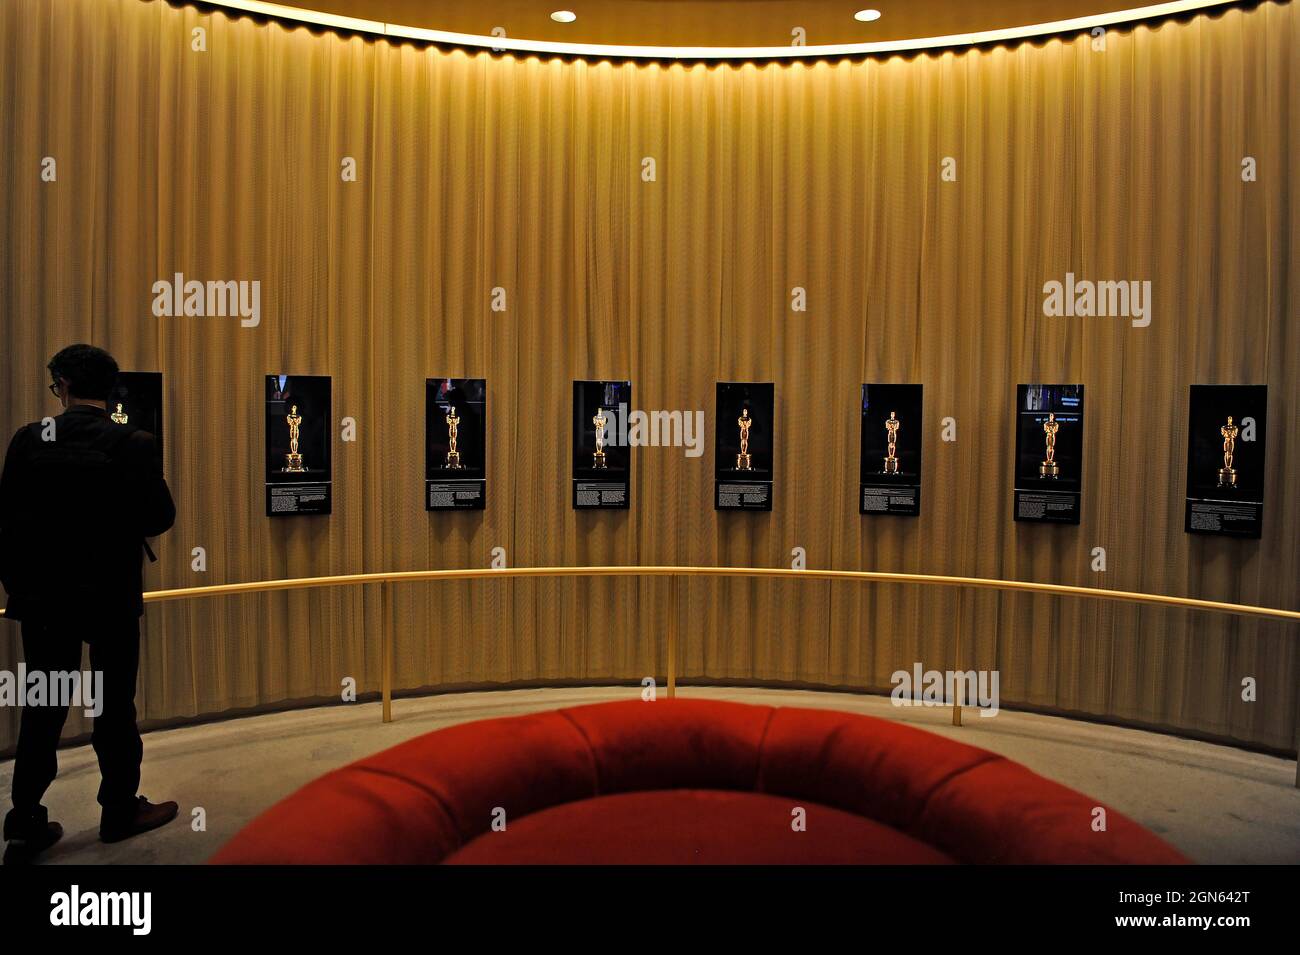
(679, 781)
(694, 826)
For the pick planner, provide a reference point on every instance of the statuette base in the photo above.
(1049, 469)
(1227, 477)
(293, 463)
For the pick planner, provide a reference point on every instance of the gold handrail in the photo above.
(632, 570)
(410, 576)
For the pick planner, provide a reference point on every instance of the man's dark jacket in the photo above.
(74, 515)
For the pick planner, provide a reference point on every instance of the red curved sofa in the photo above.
(688, 781)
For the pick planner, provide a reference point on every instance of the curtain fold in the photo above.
(478, 172)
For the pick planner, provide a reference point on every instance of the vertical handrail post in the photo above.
(672, 636)
(957, 682)
(386, 651)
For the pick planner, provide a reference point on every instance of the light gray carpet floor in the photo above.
(1216, 803)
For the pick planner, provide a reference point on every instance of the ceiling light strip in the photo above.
(279, 11)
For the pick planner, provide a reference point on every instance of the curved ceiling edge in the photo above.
(397, 31)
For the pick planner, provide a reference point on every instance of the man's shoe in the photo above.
(143, 817)
(22, 849)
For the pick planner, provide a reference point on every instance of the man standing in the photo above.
(78, 496)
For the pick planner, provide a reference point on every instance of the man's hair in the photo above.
(91, 372)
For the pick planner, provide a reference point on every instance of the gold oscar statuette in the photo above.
(293, 460)
(598, 457)
(743, 460)
(1227, 473)
(118, 416)
(1049, 468)
(453, 429)
(891, 427)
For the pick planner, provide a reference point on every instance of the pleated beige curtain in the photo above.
(478, 172)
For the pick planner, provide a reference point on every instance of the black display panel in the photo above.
(136, 400)
(298, 417)
(602, 467)
(743, 460)
(1049, 453)
(455, 444)
(890, 481)
(1225, 460)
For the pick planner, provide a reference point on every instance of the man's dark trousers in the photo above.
(54, 644)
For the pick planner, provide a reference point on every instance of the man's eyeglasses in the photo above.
(54, 389)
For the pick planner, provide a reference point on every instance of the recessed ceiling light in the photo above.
(866, 16)
(568, 16)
